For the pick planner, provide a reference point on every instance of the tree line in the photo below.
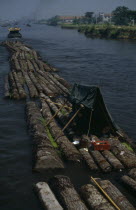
(120, 16)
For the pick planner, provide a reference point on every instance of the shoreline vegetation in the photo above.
(104, 31)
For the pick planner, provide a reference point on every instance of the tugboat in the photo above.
(14, 33)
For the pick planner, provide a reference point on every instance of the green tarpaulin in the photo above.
(94, 110)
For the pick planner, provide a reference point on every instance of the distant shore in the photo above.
(104, 31)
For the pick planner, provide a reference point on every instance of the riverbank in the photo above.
(104, 31)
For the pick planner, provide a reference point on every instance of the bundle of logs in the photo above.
(29, 75)
(60, 193)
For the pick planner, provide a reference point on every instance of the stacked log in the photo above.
(120, 200)
(94, 199)
(126, 157)
(62, 81)
(129, 182)
(20, 89)
(101, 161)
(47, 197)
(14, 91)
(46, 157)
(30, 70)
(7, 89)
(62, 118)
(132, 173)
(32, 90)
(66, 194)
(88, 159)
(67, 148)
(115, 163)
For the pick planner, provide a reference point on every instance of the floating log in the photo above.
(126, 157)
(66, 194)
(128, 181)
(21, 78)
(47, 85)
(47, 197)
(94, 199)
(88, 159)
(55, 109)
(21, 90)
(7, 88)
(45, 88)
(35, 65)
(46, 157)
(46, 77)
(14, 91)
(120, 200)
(35, 82)
(58, 83)
(68, 149)
(62, 81)
(40, 64)
(116, 164)
(132, 173)
(16, 64)
(30, 66)
(101, 161)
(32, 90)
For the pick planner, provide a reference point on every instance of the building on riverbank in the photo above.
(68, 19)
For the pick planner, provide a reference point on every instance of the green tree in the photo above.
(89, 17)
(53, 21)
(121, 16)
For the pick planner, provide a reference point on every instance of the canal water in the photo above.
(110, 64)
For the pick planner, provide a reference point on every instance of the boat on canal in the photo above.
(14, 33)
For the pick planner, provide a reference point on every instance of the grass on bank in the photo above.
(104, 30)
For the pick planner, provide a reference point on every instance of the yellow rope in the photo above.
(107, 196)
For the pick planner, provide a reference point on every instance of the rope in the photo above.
(90, 122)
(107, 196)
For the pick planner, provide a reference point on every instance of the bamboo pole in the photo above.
(107, 196)
(55, 114)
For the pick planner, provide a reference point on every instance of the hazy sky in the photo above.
(15, 9)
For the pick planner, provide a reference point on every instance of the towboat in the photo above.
(14, 33)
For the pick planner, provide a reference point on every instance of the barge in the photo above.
(14, 33)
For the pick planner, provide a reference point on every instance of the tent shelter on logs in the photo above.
(94, 117)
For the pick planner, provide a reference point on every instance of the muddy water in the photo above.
(111, 64)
